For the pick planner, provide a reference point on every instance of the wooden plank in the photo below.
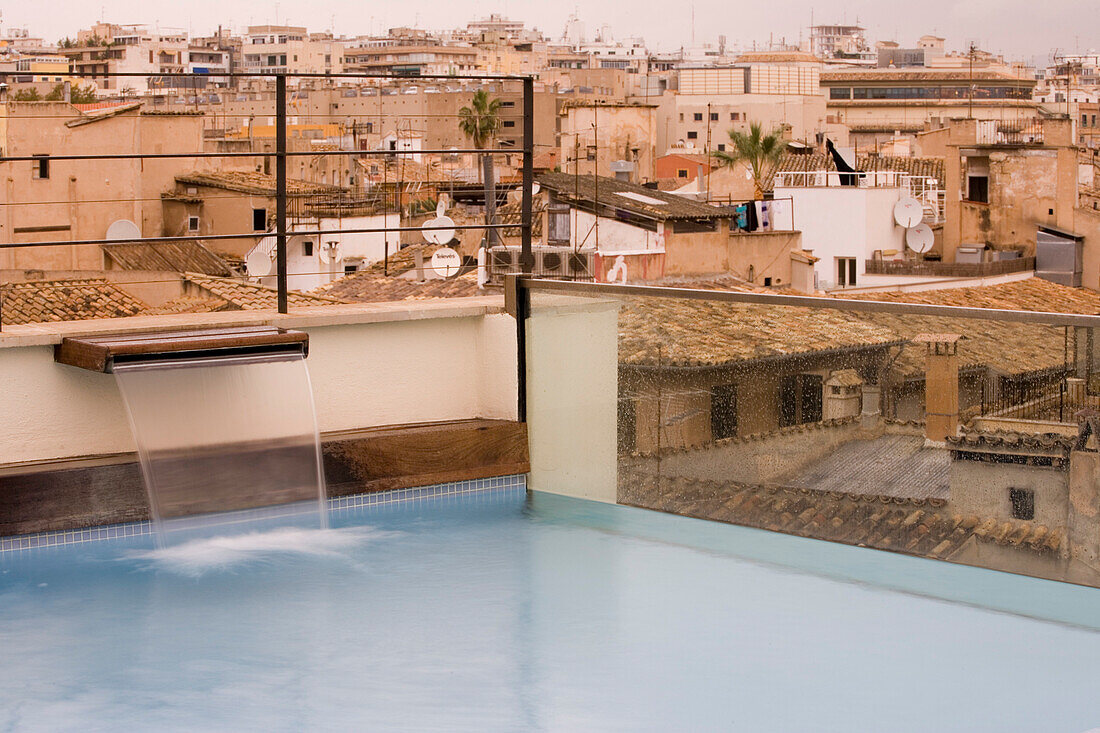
(96, 353)
(421, 455)
(100, 490)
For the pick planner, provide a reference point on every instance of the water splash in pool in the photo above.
(232, 552)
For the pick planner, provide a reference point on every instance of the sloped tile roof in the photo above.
(243, 295)
(173, 256)
(629, 197)
(674, 332)
(913, 526)
(65, 300)
(367, 287)
(1009, 348)
(188, 304)
(402, 260)
(254, 183)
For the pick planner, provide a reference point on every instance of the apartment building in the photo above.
(68, 200)
(877, 104)
(775, 90)
(284, 49)
(416, 58)
(108, 48)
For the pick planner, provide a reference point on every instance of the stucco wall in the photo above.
(840, 221)
(981, 488)
(376, 364)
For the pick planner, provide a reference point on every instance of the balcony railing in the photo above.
(927, 268)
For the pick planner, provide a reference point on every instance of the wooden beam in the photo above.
(99, 353)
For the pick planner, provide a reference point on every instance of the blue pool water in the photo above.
(550, 614)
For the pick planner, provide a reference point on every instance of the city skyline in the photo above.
(992, 24)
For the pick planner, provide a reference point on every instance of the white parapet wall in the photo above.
(572, 396)
(370, 365)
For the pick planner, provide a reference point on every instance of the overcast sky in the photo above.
(1020, 29)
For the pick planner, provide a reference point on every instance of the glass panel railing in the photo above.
(892, 426)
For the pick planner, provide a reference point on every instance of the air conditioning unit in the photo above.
(503, 261)
(552, 263)
(581, 265)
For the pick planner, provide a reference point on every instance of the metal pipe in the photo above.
(280, 189)
(807, 301)
(242, 235)
(526, 257)
(289, 154)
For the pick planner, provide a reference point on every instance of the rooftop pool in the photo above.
(506, 611)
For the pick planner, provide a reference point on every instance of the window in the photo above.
(721, 146)
(41, 167)
(192, 223)
(681, 173)
(558, 220)
(351, 269)
(681, 117)
(693, 135)
(723, 411)
(845, 271)
(259, 220)
(307, 248)
(509, 123)
(698, 116)
(713, 116)
(1023, 503)
(977, 189)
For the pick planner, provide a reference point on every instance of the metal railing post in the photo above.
(280, 189)
(526, 257)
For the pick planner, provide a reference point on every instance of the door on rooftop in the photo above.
(845, 272)
(800, 399)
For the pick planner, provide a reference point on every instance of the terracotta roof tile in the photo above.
(367, 287)
(628, 197)
(914, 526)
(65, 300)
(674, 332)
(172, 256)
(244, 295)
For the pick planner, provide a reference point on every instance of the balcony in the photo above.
(931, 268)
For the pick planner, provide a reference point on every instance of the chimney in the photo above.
(941, 385)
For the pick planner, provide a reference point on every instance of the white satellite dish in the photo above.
(260, 262)
(515, 196)
(535, 188)
(446, 262)
(329, 252)
(439, 230)
(919, 238)
(123, 229)
(908, 212)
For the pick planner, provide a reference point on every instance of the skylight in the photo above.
(640, 197)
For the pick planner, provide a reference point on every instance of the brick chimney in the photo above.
(941, 385)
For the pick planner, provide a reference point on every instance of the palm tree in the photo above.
(480, 122)
(756, 149)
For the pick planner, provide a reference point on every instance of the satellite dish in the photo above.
(329, 252)
(515, 196)
(123, 229)
(439, 230)
(919, 238)
(446, 262)
(441, 205)
(260, 262)
(908, 212)
(535, 188)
